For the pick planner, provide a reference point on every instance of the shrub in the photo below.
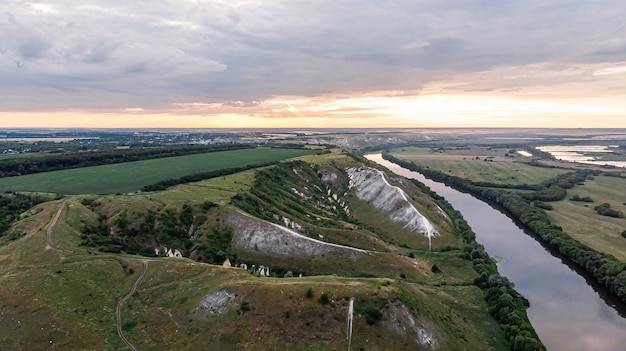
(435, 269)
(324, 300)
(309, 293)
(372, 315)
(606, 210)
(244, 306)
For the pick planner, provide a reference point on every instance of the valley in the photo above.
(273, 249)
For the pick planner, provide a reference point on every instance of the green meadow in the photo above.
(132, 176)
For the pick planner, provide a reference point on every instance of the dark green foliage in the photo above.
(244, 306)
(216, 244)
(435, 268)
(309, 293)
(624, 234)
(577, 197)
(542, 205)
(606, 210)
(372, 315)
(12, 205)
(128, 325)
(324, 300)
(169, 228)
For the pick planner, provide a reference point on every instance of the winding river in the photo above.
(568, 311)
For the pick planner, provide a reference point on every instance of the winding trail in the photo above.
(53, 222)
(118, 311)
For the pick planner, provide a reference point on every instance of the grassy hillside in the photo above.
(68, 298)
(132, 176)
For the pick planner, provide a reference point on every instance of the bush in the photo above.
(324, 300)
(372, 315)
(435, 269)
(244, 306)
(624, 234)
(606, 210)
(309, 293)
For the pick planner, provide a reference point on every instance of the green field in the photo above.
(585, 225)
(479, 164)
(132, 176)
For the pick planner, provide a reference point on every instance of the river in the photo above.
(568, 312)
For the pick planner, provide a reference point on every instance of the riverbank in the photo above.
(505, 303)
(604, 268)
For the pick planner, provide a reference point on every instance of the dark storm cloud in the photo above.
(152, 53)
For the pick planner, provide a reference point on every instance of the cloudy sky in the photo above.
(317, 63)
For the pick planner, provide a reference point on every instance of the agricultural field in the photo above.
(579, 219)
(132, 176)
(479, 164)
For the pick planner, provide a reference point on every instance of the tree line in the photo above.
(12, 205)
(606, 269)
(505, 304)
(54, 162)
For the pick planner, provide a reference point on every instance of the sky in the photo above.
(313, 64)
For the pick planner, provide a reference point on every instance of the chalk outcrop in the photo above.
(402, 321)
(371, 185)
(256, 235)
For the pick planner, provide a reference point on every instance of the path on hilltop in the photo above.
(120, 302)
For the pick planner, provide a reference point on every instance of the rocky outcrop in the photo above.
(255, 235)
(425, 333)
(371, 185)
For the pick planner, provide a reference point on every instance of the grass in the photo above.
(132, 176)
(464, 163)
(585, 225)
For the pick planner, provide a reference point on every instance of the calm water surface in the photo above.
(568, 313)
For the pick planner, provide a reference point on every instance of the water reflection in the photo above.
(566, 311)
(578, 153)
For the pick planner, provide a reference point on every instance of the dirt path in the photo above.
(118, 310)
(50, 246)
(53, 222)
